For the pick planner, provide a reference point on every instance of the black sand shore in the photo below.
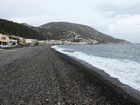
(42, 76)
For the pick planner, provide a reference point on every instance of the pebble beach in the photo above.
(41, 76)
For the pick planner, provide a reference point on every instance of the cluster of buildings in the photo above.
(74, 38)
(81, 41)
(71, 38)
(14, 41)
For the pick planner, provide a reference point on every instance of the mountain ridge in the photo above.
(59, 30)
(56, 31)
(13, 28)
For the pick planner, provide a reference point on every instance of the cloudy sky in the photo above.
(118, 18)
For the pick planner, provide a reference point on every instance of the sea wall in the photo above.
(112, 84)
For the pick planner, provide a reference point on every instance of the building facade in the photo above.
(4, 40)
(31, 41)
(22, 41)
(13, 41)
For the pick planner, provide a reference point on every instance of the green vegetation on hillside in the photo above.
(60, 30)
(55, 31)
(12, 28)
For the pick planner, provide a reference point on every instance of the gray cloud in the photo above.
(126, 8)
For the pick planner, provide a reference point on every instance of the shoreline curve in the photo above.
(113, 83)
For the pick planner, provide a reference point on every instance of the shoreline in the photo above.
(40, 75)
(113, 83)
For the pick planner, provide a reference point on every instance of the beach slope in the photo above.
(42, 76)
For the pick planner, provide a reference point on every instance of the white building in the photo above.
(31, 41)
(13, 41)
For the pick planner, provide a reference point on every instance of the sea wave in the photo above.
(126, 71)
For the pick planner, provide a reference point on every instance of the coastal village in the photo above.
(40, 75)
(14, 41)
(17, 41)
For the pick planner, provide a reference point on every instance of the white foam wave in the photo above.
(126, 71)
(62, 50)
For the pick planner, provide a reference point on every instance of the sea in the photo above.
(121, 61)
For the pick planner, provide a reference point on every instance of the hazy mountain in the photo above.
(27, 25)
(60, 30)
(55, 30)
(13, 28)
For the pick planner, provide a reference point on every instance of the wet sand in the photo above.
(42, 76)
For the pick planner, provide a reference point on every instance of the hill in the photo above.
(56, 31)
(12, 28)
(27, 25)
(62, 30)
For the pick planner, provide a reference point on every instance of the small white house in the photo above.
(41, 42)
(13, 41)
(31, 41)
